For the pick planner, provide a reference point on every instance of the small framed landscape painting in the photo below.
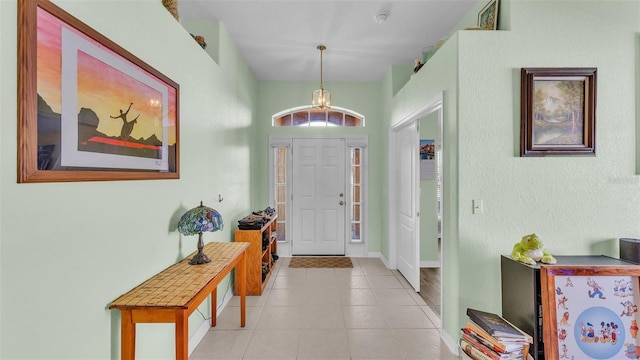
(590, 312)
(88, 109)
(558, 107)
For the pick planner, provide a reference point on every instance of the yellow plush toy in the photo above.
(530, 249)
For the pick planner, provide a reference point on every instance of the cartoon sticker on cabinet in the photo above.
(597, 317)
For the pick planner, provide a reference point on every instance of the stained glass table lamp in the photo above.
(197, 221)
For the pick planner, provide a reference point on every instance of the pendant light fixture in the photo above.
(321, 98)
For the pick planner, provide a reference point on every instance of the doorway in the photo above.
(318, 196)
(407, 246)
(319, 186)
(406, 202)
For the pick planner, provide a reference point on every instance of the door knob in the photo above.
(341, 202)
(341, 194)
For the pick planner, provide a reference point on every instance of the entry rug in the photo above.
(320, 262)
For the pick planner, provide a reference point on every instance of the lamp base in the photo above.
(199, 259)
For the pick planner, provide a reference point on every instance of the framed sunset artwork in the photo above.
(88, 109)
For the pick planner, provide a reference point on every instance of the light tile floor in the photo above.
(368, 312)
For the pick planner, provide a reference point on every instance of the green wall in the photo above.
(577, 205)
(364, 98)
(440, 75)
(68, 249)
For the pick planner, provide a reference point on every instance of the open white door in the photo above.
(404, 224)
(408, 226)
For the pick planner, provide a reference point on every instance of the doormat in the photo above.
(320, 262)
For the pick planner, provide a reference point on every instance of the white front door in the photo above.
(407, 230)
(318, 197)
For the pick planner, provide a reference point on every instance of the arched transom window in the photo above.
(310, 116)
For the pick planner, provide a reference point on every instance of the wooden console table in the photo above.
(172, 295)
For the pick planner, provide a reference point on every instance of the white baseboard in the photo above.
(451, 343)
(284, 249)
(423, 264)
(379, 255)
(201, 332)
(429, 264)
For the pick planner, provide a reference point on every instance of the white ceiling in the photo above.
(278, 39)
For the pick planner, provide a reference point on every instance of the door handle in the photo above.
(341, 202)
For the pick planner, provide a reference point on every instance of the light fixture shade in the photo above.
(200, 219)
(321, 98)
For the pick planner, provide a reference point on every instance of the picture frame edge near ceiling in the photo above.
(488, 16)
(78, 128)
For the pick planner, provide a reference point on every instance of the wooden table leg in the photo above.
(127, 336)
(214, 306)
(182, 335)
(241, 268)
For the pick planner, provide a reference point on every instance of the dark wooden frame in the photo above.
(528, 77)
(549, 287)
(28, 103)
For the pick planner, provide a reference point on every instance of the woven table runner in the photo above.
(177, 285)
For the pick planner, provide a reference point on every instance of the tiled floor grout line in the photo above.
(333, 284)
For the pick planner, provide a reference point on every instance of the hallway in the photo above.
(430, 288)
(364, 312)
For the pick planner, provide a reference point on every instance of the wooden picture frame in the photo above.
(488, 16)
(558, 111)
(590, 311)
(88, 109)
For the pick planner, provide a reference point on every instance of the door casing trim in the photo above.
(351, 248)
(432, 105)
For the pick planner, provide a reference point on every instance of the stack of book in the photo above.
(489, 336)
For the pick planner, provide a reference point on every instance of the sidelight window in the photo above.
(356, 194)
(280, 190)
